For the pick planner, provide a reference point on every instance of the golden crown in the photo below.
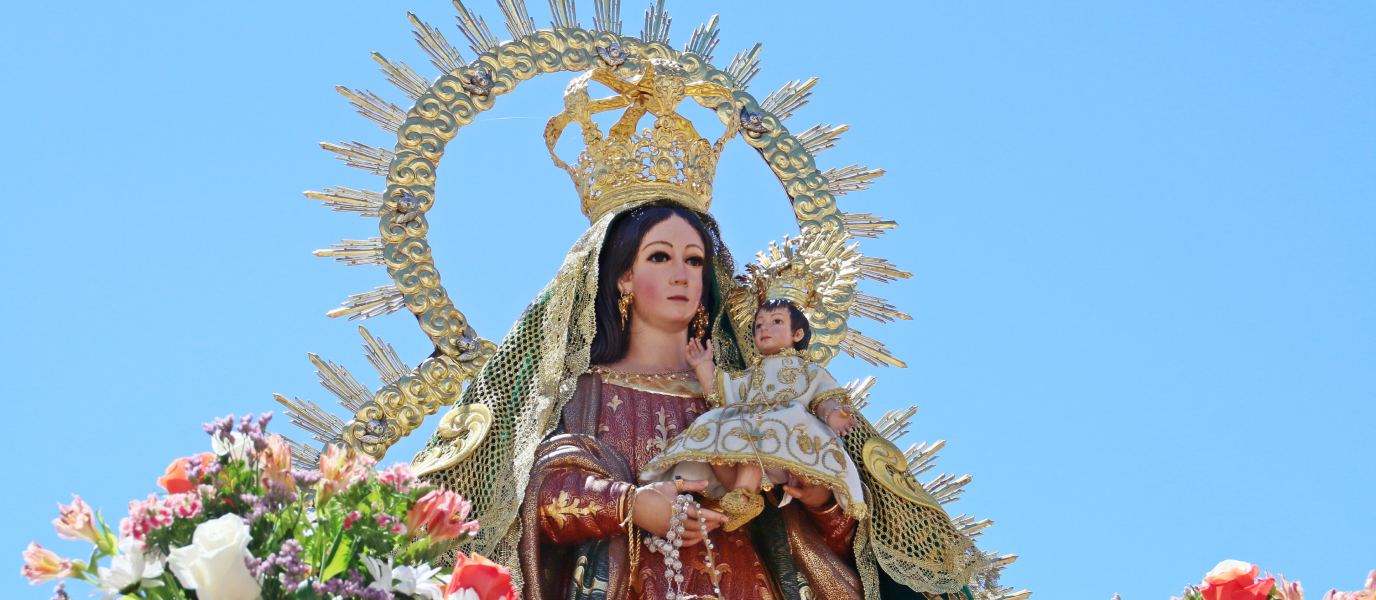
(669, 160)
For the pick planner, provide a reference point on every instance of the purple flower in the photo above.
(292, 570)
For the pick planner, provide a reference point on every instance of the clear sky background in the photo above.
(1143, 240)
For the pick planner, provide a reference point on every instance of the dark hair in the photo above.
(619, 252)
(797, 320)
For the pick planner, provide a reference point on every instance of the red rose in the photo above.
(486, 579)
(175, 481)
(1235, 580)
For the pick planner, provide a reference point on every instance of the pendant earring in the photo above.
(700, 322)
(625, 305)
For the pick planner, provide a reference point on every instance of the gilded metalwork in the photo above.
(444, 106)
(466, 426)
(886, 464)
(625, 167)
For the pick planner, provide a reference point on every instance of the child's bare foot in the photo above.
(748, 477)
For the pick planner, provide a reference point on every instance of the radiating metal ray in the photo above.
(355, 252)
(352, 395)
(389, 367)
(400, 75)
(866, 225)
(473, 28)
(970, 527)
(704, 41)
(850, 179)
(821, 137)
(444, 56)
(789, 98)
(865, 305)
(303, 457)
(657, 22)
(518, 20)
(860, 392)
(564, 13)
(946, 489)
(323, 426)
(894, 424)
(608, 16)
(879, 269)
(381, 301)
(362, 156)
(387, 115)
(922, 458)
(365, 203)
(745, 66)
(867, 349)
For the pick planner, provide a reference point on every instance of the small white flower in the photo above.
(235, 445)
(419, 581)
(130, 567)
(405, 579)
(380, 571)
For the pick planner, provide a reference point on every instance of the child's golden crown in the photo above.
(669, 160)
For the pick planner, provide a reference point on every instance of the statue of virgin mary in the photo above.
(550, 428)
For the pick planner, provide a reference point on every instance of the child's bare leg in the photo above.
(726, 474)
(748, 477)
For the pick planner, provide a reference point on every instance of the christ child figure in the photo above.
(782, 416)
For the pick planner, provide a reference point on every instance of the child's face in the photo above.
(774, 331)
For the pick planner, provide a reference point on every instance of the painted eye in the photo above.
(658, 257)
(694, 261)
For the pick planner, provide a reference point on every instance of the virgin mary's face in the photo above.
(666, 277)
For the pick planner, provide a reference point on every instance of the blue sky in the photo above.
(1143, 240)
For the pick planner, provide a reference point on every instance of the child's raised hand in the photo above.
(698, 355)
(838, 417)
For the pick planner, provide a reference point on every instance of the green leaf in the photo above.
(340, 557)
(307, 593)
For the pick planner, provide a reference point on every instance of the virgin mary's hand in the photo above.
(814, 495)
(654, 507)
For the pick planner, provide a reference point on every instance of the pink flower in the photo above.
(479, 578)
(145, 516)
(339, 469)
(1369, 593)
(185, 506)
(389, 523)
(1287, 590)
(42, 565)
(398, 476)
(351, 517)
(275, 460)
(1235, 580)
(442, 513)
(77, 522)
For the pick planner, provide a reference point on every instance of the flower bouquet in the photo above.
(1237, 580)
(238, 523)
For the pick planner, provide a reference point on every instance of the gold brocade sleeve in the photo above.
(577, 506)
(589, 472)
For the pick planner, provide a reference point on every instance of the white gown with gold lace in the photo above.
(762, 416)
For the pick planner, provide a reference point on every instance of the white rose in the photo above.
(213, 564)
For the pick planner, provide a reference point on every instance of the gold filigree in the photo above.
(465, 426)
(884, 461)
(565, 508)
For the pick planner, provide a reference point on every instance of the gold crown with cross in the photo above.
(668, 160)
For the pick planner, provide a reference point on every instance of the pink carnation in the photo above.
(185, 506)
(145, 516)
(398, 476)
